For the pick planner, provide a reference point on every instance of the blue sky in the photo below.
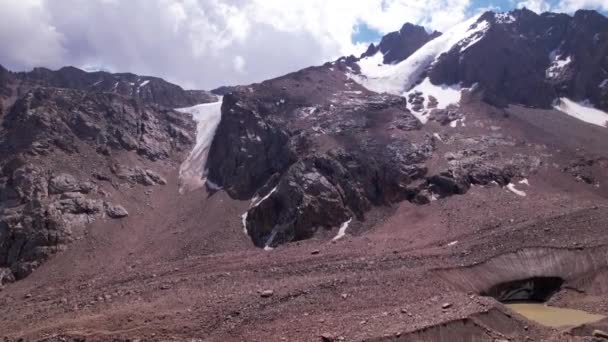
(365, 34)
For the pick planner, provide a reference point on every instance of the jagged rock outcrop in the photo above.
(554, 54)
(52, 118)
(399, 45)
(318, 149)
(59, 150)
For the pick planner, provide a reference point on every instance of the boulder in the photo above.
(116, 211)
(65, 183)
(6, 276)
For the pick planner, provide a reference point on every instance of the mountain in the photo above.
(507, 55)
(419, 192)
(68, 141)
(149, 90)
(399, 45)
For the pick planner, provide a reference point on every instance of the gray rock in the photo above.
(267, 293)
(116, 211)
(63, 183)
(6, 276)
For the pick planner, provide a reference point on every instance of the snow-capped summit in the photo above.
(505, 54)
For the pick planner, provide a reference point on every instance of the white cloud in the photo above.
(538, 6)
(239, 64)
(26, 36)
(208, 43)
(573, 5)
(202, 43)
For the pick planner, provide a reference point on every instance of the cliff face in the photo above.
(532, 59)
(59, 157)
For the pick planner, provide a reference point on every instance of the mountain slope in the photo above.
(332, 211)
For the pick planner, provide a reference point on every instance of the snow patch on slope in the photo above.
(445, 95)
(397, 78)
(583, 111)
(192, 170)
(512, 188)
(342, 230)
(504, 18)
(558, 64)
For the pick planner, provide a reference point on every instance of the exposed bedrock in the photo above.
(534, 273)
(327, 190)
(57, 154)
(311, 160)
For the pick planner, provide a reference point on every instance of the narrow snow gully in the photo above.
(192, 170)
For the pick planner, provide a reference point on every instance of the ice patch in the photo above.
(438, 137)
(511, 188)
(455, 123)
(244, 221)
(273, 234)
(445, 95)
(604, 84)
(265, 197)
(474, 37)
(207, 117)
(583, 111)
(143, 84)
(524, 181)
(557, 64)
(397, 78)
(342, 230)
(452, 243)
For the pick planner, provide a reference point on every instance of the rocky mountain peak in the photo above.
(397, 46)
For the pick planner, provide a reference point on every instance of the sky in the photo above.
(204, 44)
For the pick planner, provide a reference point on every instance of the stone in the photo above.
(326, 337)
(63, 183)
(6, 276)
(600, 334)
(267, 293)
(116, 211)
(446, 305)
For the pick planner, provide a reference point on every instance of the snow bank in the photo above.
(583, 111)
(342, 230)
(207, 117)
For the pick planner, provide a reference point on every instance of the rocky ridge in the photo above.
(63, 160)
(314, 149)
(146, 89)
